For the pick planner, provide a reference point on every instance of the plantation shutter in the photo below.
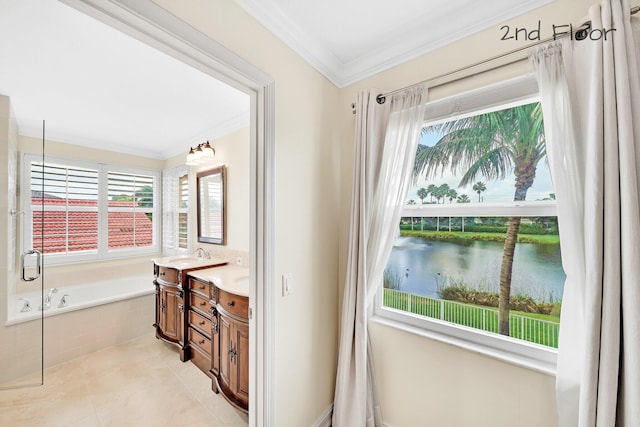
(175, 205)
(183, 212)
(130, 209)
(64, 202)
(169, 203)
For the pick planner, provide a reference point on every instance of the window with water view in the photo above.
(478, 243)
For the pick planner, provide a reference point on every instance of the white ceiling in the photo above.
(348, 40)
(95, 86)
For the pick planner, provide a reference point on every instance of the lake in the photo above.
(424, 265)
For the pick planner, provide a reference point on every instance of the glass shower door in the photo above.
(22, 331)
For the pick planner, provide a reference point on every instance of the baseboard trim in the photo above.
(325, 419)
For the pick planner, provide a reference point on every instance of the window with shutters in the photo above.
(78, 211)
(175, 210)
(183, 212)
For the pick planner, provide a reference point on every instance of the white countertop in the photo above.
(229, 278)
(186, 262)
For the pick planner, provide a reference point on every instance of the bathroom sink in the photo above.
(184, 259)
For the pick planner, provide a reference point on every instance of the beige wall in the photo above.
(306, 196)
(232, 151)
(421, 381)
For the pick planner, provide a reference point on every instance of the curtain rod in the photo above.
(578, 33)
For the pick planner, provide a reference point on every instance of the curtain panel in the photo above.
(590, 94)
(386, 138)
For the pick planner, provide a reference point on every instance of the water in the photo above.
(424, 265)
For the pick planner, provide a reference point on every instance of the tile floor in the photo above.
(139, 383)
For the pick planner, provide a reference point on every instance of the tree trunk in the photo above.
(505, 273)
(525, 174)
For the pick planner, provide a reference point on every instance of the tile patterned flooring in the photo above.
(138, 383)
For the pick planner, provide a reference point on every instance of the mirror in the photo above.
(211, 210)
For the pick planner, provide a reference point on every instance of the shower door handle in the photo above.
(37, 254)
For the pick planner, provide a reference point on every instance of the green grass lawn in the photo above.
(527, 328)
(487, 237)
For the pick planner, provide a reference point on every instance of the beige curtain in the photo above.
(590, 94)
(386, 139)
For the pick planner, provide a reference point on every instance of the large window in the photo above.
(89, 211)
(477, 258)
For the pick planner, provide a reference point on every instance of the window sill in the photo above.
(484, 343)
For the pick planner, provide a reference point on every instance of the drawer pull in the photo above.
(201, 323)
(201, 287)
(231, 303)
(202, 304)
(201, 342)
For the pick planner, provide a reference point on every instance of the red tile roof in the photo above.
(78, 230)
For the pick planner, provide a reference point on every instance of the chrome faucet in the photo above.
(26, 306)
(201, 253)
(63, 301)
(46, 304)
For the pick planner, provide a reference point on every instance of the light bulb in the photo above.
(191, 157)
(207, 151)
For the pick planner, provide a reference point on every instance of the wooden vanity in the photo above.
(170, 280)
(205, 312)
(219, 340)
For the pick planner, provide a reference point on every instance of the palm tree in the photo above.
(479, 187)
(451, 195)
(422, 194)
(432, 191)
(492, 145)
(442, 191)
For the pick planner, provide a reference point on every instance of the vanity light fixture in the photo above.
(202, 153)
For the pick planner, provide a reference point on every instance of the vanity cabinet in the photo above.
(233, 376)
(201, 312)
(216, 329)
(173, 308)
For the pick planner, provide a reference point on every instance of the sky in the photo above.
(497, 190)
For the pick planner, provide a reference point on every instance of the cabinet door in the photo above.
(224, 325)
(241, 368)
(170, 318)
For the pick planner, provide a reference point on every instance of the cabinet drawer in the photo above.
(168, 274)
(199, 303)
(200, 322)
(198, 340)
(234, 304)
(201, 360)
(199, 287)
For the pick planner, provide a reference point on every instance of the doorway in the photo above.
(147, 22)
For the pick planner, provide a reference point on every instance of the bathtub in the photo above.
(79, 297)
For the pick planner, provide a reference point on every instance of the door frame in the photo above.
(151, 24)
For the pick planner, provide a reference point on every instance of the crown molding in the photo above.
(216, 131)
(413, 44)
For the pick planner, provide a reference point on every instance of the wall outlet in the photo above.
(238, 260)
(287, 286)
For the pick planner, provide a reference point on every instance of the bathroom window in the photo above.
(481, 180)
(175, 210)
(183, 212)
(89, 211)
(130, 210)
